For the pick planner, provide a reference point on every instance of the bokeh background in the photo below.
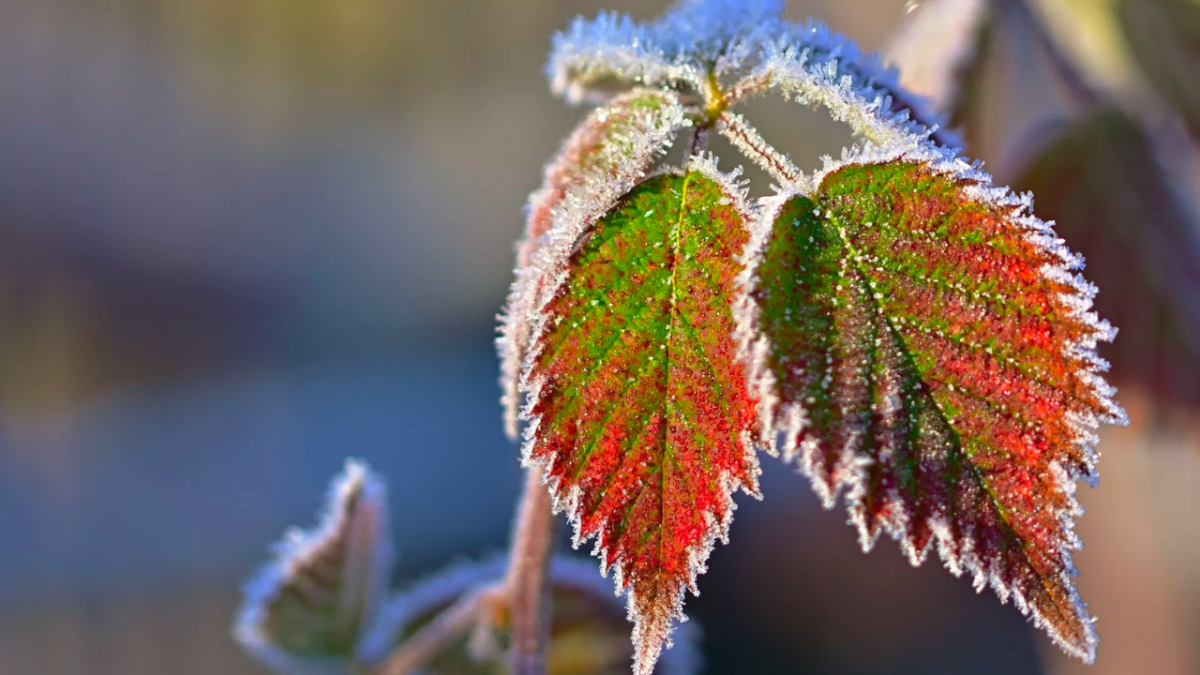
(241, 240)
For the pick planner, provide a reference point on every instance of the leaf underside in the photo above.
(640, 406)
(924, 358)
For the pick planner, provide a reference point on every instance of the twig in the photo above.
(434, 637)
(529, 603)
(747, 139)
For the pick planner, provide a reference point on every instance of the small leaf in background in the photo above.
(606, 154)
(306, 611)
(589, 634)
(1164, 37)
(1111, 198)
(919, 340)
(638, 405)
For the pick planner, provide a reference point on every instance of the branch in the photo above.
(529, 603)
(434, 637)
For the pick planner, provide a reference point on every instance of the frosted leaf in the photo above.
(606, 154)
(588, 632)
(936, 45)
(816, 66)
(593, 59)
(750, 44)
(306, 611)
(919, 340)
(638, 409)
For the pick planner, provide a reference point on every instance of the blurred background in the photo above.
(243, 239)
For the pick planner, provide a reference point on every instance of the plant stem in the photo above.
(699, 139)
(526, 585)
(749, 141)
(434, 637)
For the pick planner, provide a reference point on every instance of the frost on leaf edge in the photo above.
(647, 648)
(754, 347)
(295, 547)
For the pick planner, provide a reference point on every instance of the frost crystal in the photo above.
(919, 340)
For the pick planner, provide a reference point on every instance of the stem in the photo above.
(747, 139)
(526, 585)
(434, 637)
(699, 139)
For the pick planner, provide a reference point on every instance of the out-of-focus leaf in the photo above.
(1164, 37)
(307, 611)
(589, 634)
(638, 405)
(918, 339)
(1113, 201)
(936, 50)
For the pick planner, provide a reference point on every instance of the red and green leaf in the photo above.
(639, 405)
(918, 339)
(607, 153)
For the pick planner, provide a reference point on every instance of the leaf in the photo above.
(306, 611)
(1101, 181)
(937, 48)
(1164, 38)
(918, 339)
(638, 407)
(588, 631)
(610, 150)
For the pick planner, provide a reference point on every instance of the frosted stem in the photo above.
(529, 603)
(433, 638)
(747, 139)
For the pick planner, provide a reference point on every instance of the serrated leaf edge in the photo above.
(850, 472)
(568, 500)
